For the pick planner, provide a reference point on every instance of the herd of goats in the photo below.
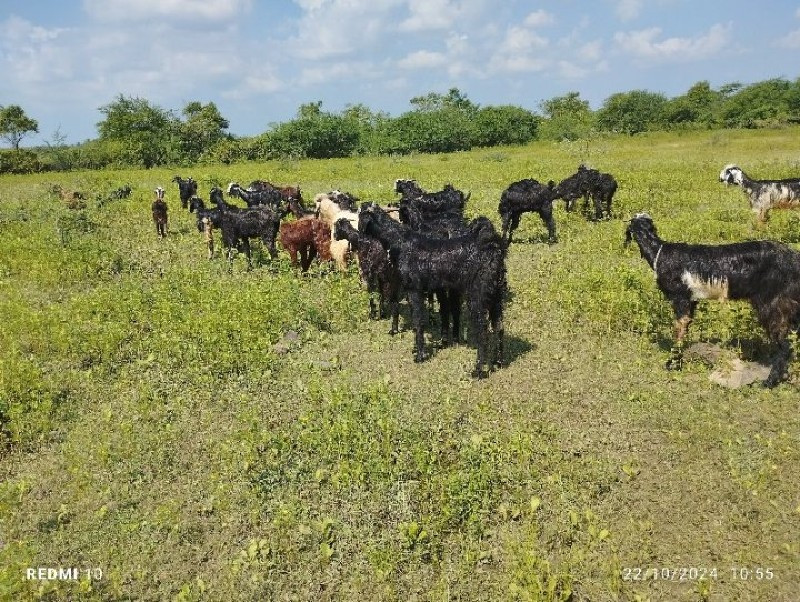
(422, 246)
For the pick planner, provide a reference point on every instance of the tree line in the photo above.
(134, 132)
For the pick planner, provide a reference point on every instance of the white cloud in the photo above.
(336, 28)
(790, 40)
(539, 18)
(591, 51)
(429, 14)
(628, 10)
(422, 59)
(643, 44)
(569, 70)
(521, 50)
(127, 10)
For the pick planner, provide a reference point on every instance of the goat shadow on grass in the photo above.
(542, 238)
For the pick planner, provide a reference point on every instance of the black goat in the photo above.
(765, 273)
(215, 196)
(764, 195)
(527, 196)
(587, 183)
(269, 197)
(186, 188)
(473, 265)
(408, 188)
(377, 271)
(238, 227)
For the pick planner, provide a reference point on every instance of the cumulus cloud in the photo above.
(422, 59)
(127, 10)
(628, 10)
(539, 18)
(791, 40)
(33, 54)
(645, 45)
(429, 14)
(520, 50)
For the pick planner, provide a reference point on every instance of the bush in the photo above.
(505, 125)
(19, 161)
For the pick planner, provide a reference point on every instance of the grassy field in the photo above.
(150, 430)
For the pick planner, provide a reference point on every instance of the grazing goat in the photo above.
(288, 193)
(238, 227)
(207, 220)
(377, 271)
(765, 273)
(296, 208)
(764, 195)
(308, 237)
(524, 196)
(269, 197)
(186, 188)
(586, 183)
(473, 265)
(159, 210)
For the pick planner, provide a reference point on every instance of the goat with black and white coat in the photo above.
(765, 273)
(764, 195)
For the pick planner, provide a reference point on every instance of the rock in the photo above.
(738, 373)
(705, 352)
(291, 336)
(280, 348)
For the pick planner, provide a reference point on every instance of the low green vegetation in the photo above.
(151, 429)
(136, 133)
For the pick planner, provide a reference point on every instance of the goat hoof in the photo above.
(393, 332)
(418, 359)
(444, 344)
(771, 382)
(480, 374)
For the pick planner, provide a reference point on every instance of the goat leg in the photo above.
(779, 364)
(496, 319)
(417, 319)
(478, 322)
(681, 327)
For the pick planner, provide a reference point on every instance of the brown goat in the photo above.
(309, 237)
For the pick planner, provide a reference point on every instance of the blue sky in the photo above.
(259, 60)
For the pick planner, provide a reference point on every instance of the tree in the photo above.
(758, 104)
(433, 101)
(632, 112)
(15, 125)
(505, 125)
(146, 131)
(204, 128)
(568, 117)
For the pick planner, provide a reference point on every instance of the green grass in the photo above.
(149, 428)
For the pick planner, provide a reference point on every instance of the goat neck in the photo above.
(649, 245)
